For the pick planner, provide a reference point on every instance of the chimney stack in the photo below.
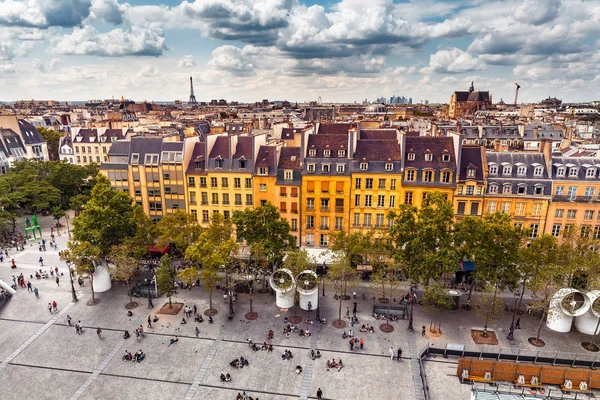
(546, 150)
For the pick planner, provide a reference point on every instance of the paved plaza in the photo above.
(42, 357)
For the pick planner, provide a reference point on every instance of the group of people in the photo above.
(367, 328)
(225, 377)
(287, 355)
(314, 355)
(267, 347)
(334, 364)
(239, 363)
(244, 396)
(355, 342)
(52, 307)
(138, 356)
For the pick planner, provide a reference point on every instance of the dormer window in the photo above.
(538, 171)
(262, 171)
(389, 167)
(471, 173)
(446, 157)
(242, 163)
(326, 153)
(340, 167)
(560, 171)
(507, 170)
(428, 157)
(590, 173)
(364, 166)
(573, 172)
(151, 159)
(411, 156)
(135, 158)
(326, 168)
(493, 170)
(310, 167)
(219, 163)
(493, 189)
(312, 152)
(521, 170)
(341, 153)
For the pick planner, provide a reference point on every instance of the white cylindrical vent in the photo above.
(101, 278)
(283, 283)
(587, 322)
(307, 284)
(564, 305)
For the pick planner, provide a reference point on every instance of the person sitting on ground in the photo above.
(264, 346)
(318, 355)
(350, 333)
(126, 335)
(344, 335)
(287, 335)
(298, 370)
(183, 321)
(371, 329)
(339, 365)
(140, 355)
(289, 355)
(222, 377)
(198, 318)
(210, 320)
(301, 332)
(155, 319)
(323, 320)
(235, 363)
(239, 397)
(174, 339)
(255, 347)
(129, 313)
(308, 321)
(285, 320)
(227, 377)
(307, 333)
(127, 356)
(270, 348)
(270, 334)
(312, 355)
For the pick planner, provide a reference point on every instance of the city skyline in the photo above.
(293, 50)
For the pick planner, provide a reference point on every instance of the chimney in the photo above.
(546, 150)
(497, 145)
(535, 132)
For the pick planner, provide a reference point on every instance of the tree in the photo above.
(189, 275)
(436, 296)
(126, 266)
(52, 139)
(77, 203)
(264, 226)
(58, 213)
(344, 276)
(179, 230)
(84, 256)
(354, 246)
(297, 261)
(489, 307)
(165, 278)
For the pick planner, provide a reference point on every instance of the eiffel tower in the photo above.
(192, 97)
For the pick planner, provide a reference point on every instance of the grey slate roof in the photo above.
(119, 148)
(471, 157)
(529, 180)
(29, 134)
(581, 163)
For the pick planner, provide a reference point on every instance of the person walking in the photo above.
(14, 279)
(354, 309)
(362, 343)
(149, 322)
(55, 306)
(41, 260)
(50, 307)
(99, 332)
(56, 270)
(518, 323)
(36, 292)
(391, 353)
(319, 394)
(423, 330)
(68, 318)
(197, 332)
(29, 288)
(399, 354)
(57, 280)
(351, 344)
(195, 310)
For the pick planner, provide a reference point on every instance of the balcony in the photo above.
(339, 209)
(283, 211)
(325, 227)
(309, 226)
(294, 211)
(339, 227)
(324, 208)
(294, 194)
(283, 194)
(576, 199)
(204, 203)
(310, 208)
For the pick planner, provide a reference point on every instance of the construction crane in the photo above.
(517, 92)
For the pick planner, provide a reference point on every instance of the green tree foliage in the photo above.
(489, 307)
(126, 264)
(165, 278)
(436, 296)
(179, 230)
(344, 277)
(296, 261)
(52, 139)
(354, 246)
(264, 226)
(423, 238)
(85, 256)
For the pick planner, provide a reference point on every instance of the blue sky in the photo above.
(345, 50)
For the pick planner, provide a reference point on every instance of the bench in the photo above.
(528, 385)
(564, 389)
(482, 379)
(398, 310)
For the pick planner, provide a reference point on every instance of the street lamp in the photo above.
(67, 218)
(73, 293)
(511, 330)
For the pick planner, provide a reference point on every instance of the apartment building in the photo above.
(470, 182)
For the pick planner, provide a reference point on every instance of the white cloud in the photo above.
(44, 13)
(537, 12)
(109, 11)
(8, 68)
(187, 61)
(39, 65)
(452, 60)
(115, 43)
(148, 71)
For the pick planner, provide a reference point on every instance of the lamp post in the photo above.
(511, 330)
(412, 304)
(67, 219)
(73, 293)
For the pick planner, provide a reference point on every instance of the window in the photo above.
(262, 187)
(283, 191)
(536, 211)
(367, 220)
(310, 222)
(507, 189)
(471, 173)
(339, 223)
(474, 208)
(226, 214)
(237, 183)
(410, 175)
(340, 168)
(381, 184)
(379, 220)
(560, 171)
(469, 190)
(492, 207)
(393, 184)
(573, 172)
(341, 153)
(428, 157)
(213, 182)
(556, 230)
(326, 168)
(242, 163)
(324, 222)
(238, 199)
(380, 201)
(392, 201)
(445, 157)
(325, 187)
(310, 167)
(357, 200)
(294, 192)
(521, 189)
(588, 215)
(248, 183)
(479, 189)
(461, 208)
(520, 209)
(534, 230)
(521, 170)
(215, 198)
(505, 207)
(219, 163)
(538, 171)
(191, 181)
(294, 208)
(572, 192)
(310, 239)
(324, 240)
(585, 230)
(326, 153)
(224, 182)
(597, 232)
(364, 166)
(507, 170)
(310, 186)
(493, 170)
(310, 203)
(205, 216)
(324, 204)
(389, 167)
(428, 176)
(408, 198)
(339, 205)
(590, 173)
(589, 193)
(226, 199)
(459, 190)
(288, 175)
(559, 213)
(411, 156)
(357, 182)
(493, 189)
(571, 214)
(204, 198)
(538, 190)
(312, 152)
(368, 200)
(369, 183)
(356, 220)
(294, 225)
(560, 190)
(446, 176)
(249, 200)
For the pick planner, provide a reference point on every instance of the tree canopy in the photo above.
(179, 230)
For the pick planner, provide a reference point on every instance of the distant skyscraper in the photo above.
(410, 100)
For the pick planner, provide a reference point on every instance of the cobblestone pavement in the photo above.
(42, 357)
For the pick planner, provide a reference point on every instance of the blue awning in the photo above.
(466, 266)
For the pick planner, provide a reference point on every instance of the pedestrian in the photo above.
(6, 253)
(57, 280)
(51, 272)
(99, 332)
(29, 286)
(35, 291)
(518, 323)
(399, 354)
(319, 394)
(347, 311)
(41, 261)
(78, 328)
(50, 307)
(54, 306)
(56, 270)
(351, 344)
(423, 330)
(391, 353)
(354, 309)
(197, 332)
(14, 280)
(195, 310)
(362, 343)
(68, 318)
(13, 265)
(149, 322)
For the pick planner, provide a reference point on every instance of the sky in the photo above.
(298, 50)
